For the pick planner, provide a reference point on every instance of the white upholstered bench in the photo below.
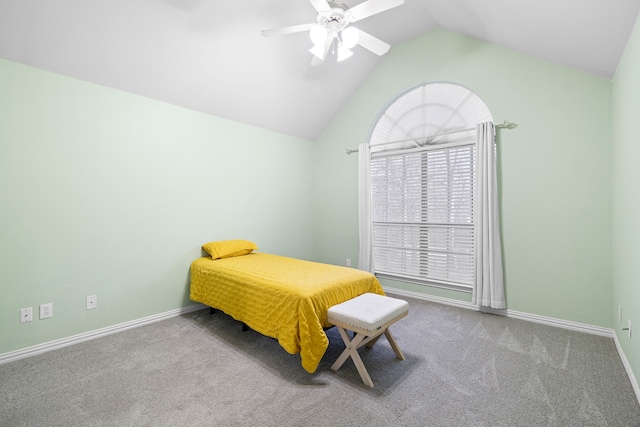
(369, 316)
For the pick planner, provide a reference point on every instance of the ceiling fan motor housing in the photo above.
(337, 19)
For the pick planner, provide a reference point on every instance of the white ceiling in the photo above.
(209, 56)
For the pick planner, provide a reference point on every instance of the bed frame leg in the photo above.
(213, 311)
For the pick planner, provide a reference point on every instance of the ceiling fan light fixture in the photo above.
(343, 52)
(318, 50)
(318, 35)
(332, 32)
(350, 37)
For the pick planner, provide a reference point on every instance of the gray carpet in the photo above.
(462, 368)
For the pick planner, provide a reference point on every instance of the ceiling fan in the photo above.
(332, 30)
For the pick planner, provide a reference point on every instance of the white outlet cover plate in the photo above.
(46, 310)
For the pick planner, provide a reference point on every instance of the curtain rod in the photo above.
(504, 125)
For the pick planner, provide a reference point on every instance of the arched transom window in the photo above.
(423, 114)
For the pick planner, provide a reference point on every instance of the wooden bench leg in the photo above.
(394, 344)
(373, 341)
(351, 350)
(345, 353)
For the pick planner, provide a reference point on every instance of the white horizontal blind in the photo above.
(423, 215)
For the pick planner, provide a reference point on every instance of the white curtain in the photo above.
(489, 288)
(365, 254)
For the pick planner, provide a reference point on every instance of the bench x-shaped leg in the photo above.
(352, 346)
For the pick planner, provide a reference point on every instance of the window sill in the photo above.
(432, 283)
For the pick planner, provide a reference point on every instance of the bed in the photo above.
(280, 297)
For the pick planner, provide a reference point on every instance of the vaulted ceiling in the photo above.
(209, 55)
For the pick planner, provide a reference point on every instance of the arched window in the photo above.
(423, 186)
(426, 114)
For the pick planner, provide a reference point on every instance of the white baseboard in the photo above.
(566, 324)
(625, 362)
(76, 339)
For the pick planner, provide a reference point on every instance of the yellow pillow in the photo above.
(229, 248)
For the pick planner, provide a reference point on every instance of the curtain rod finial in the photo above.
(506, 124)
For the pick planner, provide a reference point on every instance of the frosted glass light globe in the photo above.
(343, 52)
(350, 37)
(318, 35)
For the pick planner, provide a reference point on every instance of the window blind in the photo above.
(423, 215)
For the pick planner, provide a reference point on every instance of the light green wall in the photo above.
(626, 200)
(555, 169)
(107, 193)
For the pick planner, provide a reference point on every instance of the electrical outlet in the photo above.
(620, 314)
(92, 302)
(26, 315)
(348, 262)
(46, 310)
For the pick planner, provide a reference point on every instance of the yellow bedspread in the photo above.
(283, 298)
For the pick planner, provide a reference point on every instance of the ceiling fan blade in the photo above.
(287, 30)
(321, 5)
(374, 44)
(371, 7)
